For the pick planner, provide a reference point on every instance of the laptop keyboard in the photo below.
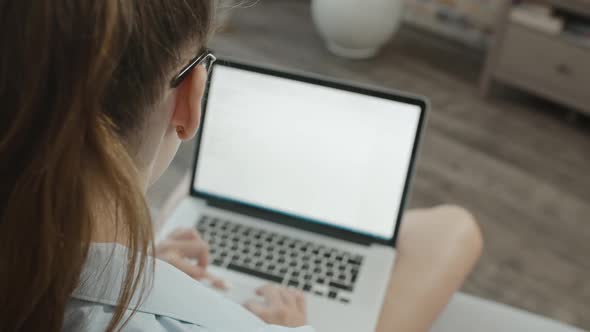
(308, 266)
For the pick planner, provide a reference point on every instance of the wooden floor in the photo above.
(514, 161)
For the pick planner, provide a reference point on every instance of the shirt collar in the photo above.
(171, 292)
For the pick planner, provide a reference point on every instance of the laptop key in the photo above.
(255, 273)
(340, 286)
(354, 261)
(275, 257)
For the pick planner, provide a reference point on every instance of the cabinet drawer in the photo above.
(549, 65)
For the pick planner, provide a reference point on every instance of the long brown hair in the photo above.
(76, 79)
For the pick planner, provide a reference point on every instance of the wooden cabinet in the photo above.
(552, 66)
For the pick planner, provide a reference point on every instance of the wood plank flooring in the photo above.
(512, 160)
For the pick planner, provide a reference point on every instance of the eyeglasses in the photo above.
(206, 58)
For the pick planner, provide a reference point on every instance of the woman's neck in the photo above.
(107, 227)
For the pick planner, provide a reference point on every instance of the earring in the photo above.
(180, 131)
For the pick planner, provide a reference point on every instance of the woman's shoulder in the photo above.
(168, 293)
(90, 316)
(172, 301)
(95, 317)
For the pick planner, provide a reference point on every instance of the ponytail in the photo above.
(58, 151)
(76, 79)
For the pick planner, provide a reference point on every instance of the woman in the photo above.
(96, 98)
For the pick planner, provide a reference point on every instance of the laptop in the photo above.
(301, 181)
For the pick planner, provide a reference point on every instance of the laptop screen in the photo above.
(318, 153)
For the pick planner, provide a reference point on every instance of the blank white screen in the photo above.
(333, 156)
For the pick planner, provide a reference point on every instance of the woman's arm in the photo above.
(437, 248)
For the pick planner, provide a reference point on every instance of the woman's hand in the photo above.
(186, 250)
(283, 306)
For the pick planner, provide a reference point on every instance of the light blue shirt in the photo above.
(174, 302)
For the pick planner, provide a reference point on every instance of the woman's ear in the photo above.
(186, 116)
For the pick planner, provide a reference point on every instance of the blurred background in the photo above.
(508, 135)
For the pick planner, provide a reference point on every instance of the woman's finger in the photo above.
(299, 299)
(190, 249)
(185, 234)
(271, 294)
(194, 271)
(216, 282)
(288, 297)
(261, 310)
